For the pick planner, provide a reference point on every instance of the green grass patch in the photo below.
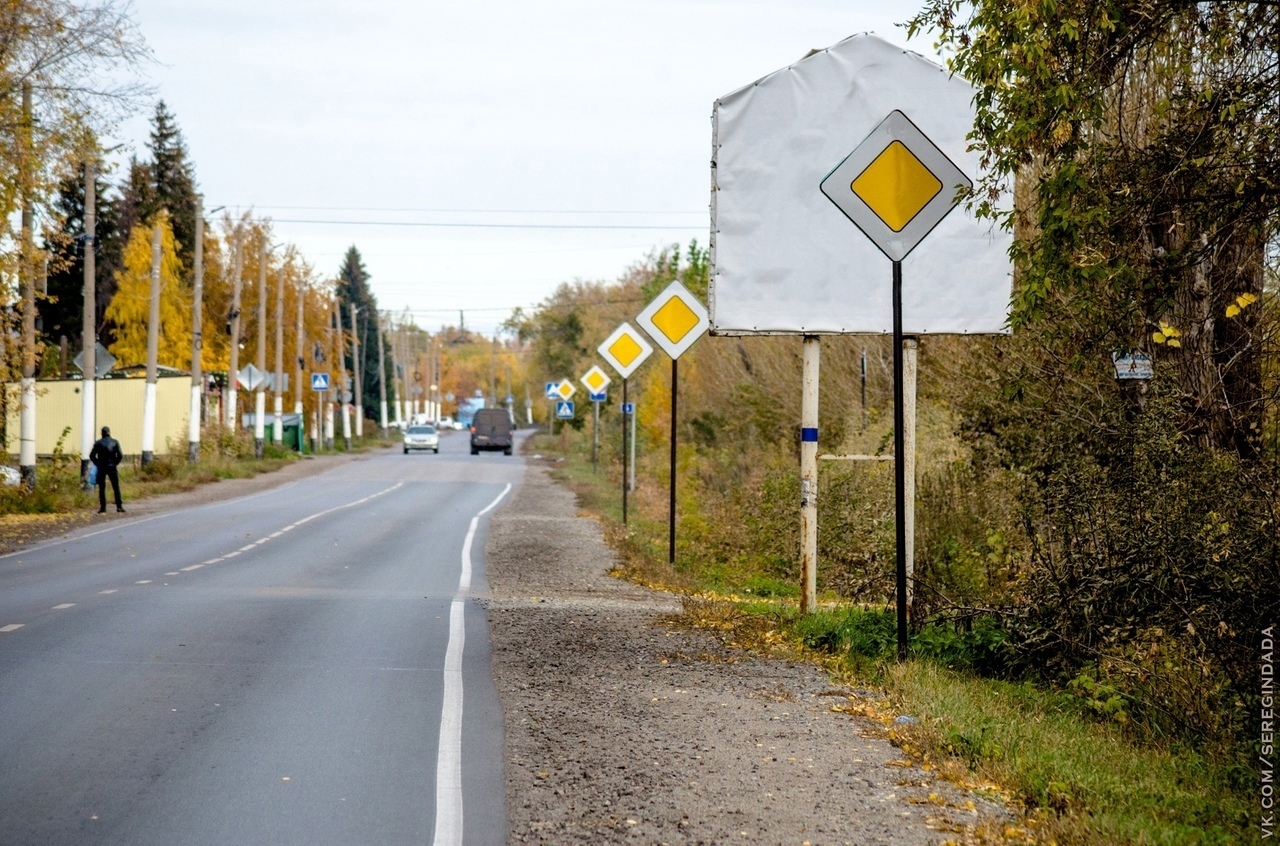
(1091, 781)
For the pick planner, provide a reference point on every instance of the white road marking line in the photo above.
(449, 812)
(449, 757)
(16, 626)
(12, 627)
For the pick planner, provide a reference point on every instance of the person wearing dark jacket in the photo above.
(105, 455)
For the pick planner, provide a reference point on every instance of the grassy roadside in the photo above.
(59, 503)
(1072, 769)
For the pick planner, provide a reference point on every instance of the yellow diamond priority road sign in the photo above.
(895, 186)
(595, 379)
(565, 389)
(675, 319)
(626, 349)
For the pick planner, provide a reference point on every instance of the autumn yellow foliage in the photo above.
(130, 307)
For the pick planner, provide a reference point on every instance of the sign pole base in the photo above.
(899, 465)
(625, 452)
(671, 509)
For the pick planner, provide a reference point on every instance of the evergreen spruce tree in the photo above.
(173, 180)
(353, 287)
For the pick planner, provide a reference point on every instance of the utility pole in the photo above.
(277, 436)
(197, 339)
(153, 349)
(382, 376)
(233, 372)
(358, 371)
(334, 385)
(27, 413)
(299, 345)
(342, 371)
(89, 320)
(260, 392)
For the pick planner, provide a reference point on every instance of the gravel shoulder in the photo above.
(622, 726)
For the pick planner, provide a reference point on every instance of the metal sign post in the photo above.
(675, 320)
(625, 350)
(896, 186)
(595, 380)
(625, 406)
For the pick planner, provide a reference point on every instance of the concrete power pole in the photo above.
(300, 344)
(153, 349)
(260, 392)
(233, 373)
(197, 339)
(382, 375)
(334, 385)
(277, 435)
(357, 370)
(27, 414)
(342, 374)
(89, 321)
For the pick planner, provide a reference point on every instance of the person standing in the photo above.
(105, 455)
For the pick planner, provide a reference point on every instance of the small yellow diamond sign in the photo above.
(895, 186)
(565, 389)
(595, 379)
(626, 349)
(675, 319)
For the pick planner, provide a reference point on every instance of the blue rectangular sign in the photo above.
(628, 408)
(564, 410)
(319, 381)
(550, 390)
(600, 397)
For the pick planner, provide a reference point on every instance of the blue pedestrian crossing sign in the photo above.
(628, 408)
(550, 391)
(319, 381)
(564, 410)
(600, 397)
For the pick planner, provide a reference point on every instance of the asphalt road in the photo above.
(284, 668)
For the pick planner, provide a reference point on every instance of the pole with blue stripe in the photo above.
(809, 476)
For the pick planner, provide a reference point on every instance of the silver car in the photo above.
(421, 437)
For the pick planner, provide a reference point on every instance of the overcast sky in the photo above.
(556, 113)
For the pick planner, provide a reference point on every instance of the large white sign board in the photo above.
(785, 260)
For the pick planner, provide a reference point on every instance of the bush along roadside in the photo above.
(1081, 760)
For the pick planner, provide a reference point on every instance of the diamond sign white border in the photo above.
(625, 328)
(837, 185)
(565, 389)
(595, 368)
(675, 349)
